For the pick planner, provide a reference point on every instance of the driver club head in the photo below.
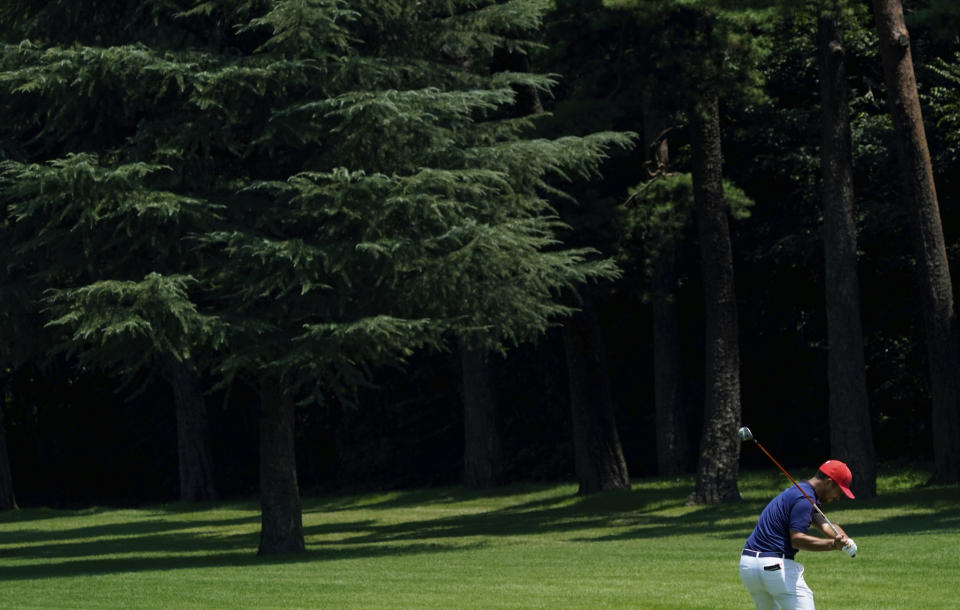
(744, 434)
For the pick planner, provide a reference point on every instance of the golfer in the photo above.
(767, 568)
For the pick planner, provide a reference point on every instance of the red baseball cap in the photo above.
(840, 474)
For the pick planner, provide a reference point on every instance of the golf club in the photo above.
(744, 434)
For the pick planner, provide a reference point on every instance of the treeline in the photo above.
(396, 243)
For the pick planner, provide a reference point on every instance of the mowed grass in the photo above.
(530, 546)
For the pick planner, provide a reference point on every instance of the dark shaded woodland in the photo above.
(319, 228)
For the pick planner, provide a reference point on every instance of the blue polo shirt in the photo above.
(788, 511)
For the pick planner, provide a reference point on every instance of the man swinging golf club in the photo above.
(767, 568)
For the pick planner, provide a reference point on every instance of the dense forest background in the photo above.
(78, 433)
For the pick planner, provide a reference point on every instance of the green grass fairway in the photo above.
(531, 546)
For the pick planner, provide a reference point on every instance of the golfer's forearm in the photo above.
(828, 529)
(806, 542)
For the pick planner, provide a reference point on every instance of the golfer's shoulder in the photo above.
(791, 496)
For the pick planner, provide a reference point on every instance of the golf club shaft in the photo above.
(797, 485)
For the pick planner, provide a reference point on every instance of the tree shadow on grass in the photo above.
(96, 564)
(433, 496)
(631, 514)
(936, 511)
(177, 538)
(119, 533)
(157, 543)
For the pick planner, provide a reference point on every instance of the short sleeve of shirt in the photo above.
(801, 514)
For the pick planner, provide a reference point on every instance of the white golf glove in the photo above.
(850, 548)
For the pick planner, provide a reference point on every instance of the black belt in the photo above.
(750, 553)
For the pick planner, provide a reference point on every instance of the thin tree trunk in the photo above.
(668, 408)
(193, 437)
(598, 455)
(718, 466)
(8, 500)
(481, 452)
(281, 520)
(940, 324)
(851, 436)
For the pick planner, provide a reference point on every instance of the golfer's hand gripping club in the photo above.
(744, 434)
(850, 547)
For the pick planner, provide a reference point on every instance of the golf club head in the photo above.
(744, 434)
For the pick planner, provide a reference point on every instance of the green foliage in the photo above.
(472, 30)
(656, 216)
(318, 188)
(944, 99)
(129, 326)
(75, 229)
(940, 17)
(307, 28)
(83, 220)
(690, 41)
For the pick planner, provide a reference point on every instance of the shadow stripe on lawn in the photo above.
(120, 565)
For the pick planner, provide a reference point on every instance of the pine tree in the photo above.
(334, 177)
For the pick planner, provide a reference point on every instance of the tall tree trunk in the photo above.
(851, 437)
(668, 407)
(8, 500)
(719, 448)
(598, 455)
(940, 324)
(481, 451)
(281, 520)
(193, 436)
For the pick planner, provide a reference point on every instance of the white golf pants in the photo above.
(775, 583)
